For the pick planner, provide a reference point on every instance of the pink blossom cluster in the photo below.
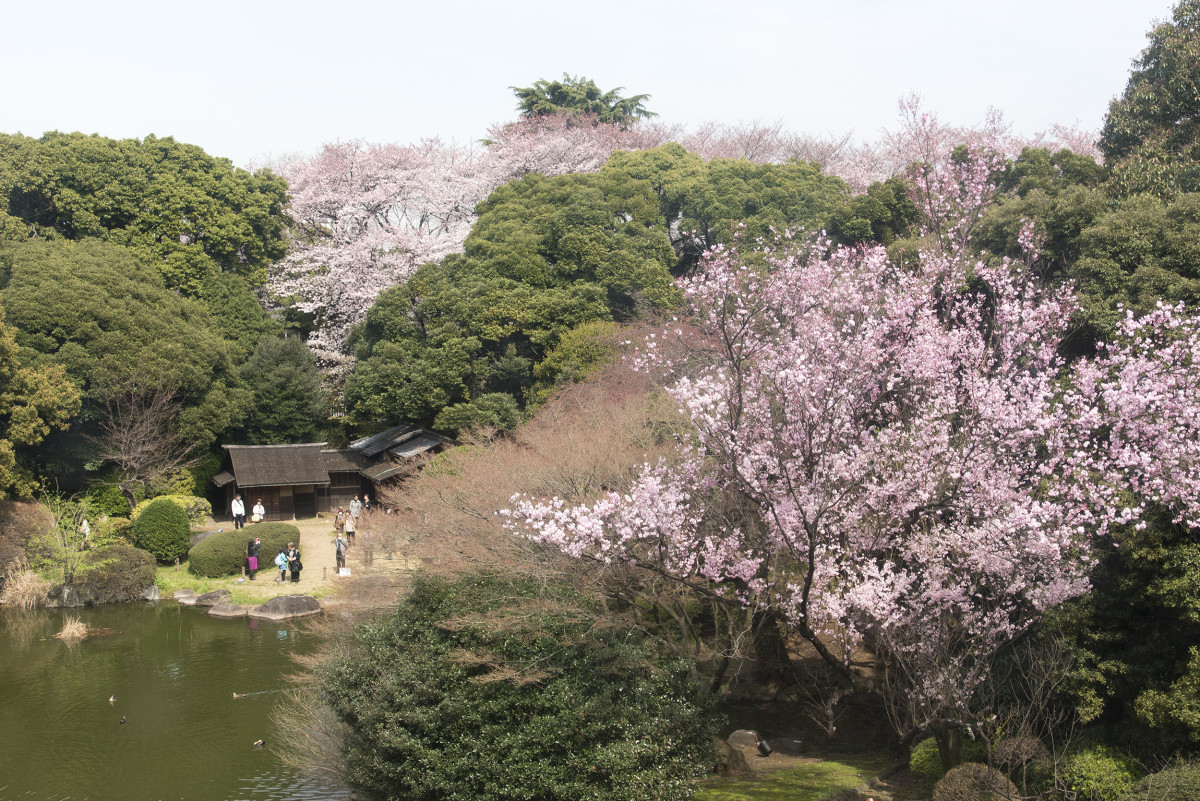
(1143, 390)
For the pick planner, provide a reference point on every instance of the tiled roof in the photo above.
(378, 443)
(278, 465)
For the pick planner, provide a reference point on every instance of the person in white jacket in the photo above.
(238, 508)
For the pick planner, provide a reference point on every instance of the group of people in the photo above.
(288, 560)
(238, 509)
(345, 522)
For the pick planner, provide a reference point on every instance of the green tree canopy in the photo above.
(1136, 635)
(33, 401)
(195, 214)
(101, 312)
(575, 96)
(288, 397)
(703, 204)
(546, 256)
(1151, 137)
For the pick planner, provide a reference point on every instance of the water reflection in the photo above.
(174, 671)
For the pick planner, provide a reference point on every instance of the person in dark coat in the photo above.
(252, 556)
(294, 563)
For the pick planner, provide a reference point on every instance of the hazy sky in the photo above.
(261, 78)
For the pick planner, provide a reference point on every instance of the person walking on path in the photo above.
(340, 545)
(355, 508)
(294, 563)
(238, 508)
(252, 556)
(281, 562)
(259, 512)
(351, 526)
(339, 521)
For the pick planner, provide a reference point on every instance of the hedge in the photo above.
(162, 529)
(224, 553)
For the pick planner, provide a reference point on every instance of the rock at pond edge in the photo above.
(287, 606)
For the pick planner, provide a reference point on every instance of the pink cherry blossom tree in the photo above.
(919, 485)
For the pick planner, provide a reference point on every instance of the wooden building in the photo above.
(304, 480)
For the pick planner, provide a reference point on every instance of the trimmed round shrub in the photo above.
(197, 509)
(1013, 752)
(224, 553)
(122, 574)
(162, 529)
(1099, 773)
(925, 762)
(972, 781)
(1177, 783)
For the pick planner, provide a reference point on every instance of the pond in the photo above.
(173, 671)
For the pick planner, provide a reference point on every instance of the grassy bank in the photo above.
(168, 580)
(805, 781)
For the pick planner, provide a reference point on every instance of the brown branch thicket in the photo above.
(138, 434)
(593, 437)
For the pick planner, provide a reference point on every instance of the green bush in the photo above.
(495, 410)
(925, 762)
(972, 781)
(108, 500)
(1099, 773)
(224, 553)
(162, 529)
(197, 509)
(121, 573)
(491, 688)
(1177, 783)
(113, 528)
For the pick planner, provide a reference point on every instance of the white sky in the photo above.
(257, 79)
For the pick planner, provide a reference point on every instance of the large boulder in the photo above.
(67, 596)
(214, 598)
(287, 606)
(730, 761)
(228, 610)
(744, 738)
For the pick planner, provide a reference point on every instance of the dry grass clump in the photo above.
(73, 629)
(23, 589)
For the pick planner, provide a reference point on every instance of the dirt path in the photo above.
(320, 563)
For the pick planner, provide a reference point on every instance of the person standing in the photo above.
(281, 562)
(355, 508)
(238, 508)
(351, 525)
(252, 556)
(339, 521)
(366, 502)
(259, 511)
(294, 563)
(340, 545)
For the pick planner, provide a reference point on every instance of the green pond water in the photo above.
(174, 671)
